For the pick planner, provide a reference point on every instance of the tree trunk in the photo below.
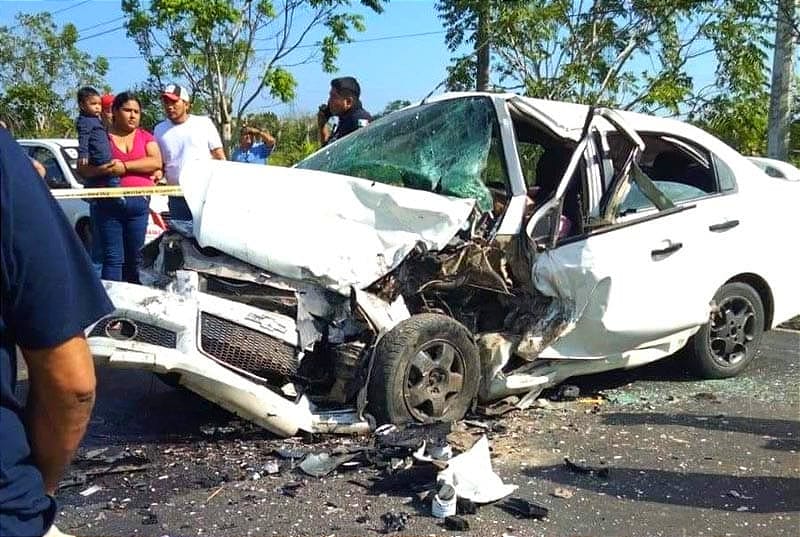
(482, 48)
(780, 114)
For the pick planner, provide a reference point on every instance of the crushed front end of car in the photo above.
(376, 282)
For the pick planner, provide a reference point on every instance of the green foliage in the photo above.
(296, 136)
(397, 104)
(631, 54)
(42, 69)
(232, 51)
(740, 121)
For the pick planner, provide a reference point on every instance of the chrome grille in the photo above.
(246, 349)
(145, 333)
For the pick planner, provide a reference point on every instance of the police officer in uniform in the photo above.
(344, 103)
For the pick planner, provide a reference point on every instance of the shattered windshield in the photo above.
(441, 147)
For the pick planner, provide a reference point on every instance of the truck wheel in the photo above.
(427, 369)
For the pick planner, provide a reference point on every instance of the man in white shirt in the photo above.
(181, 137)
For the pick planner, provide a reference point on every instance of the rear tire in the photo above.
(729, 341)
(427, 369)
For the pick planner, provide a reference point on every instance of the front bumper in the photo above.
(167, 339)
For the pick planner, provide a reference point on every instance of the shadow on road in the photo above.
(134, 406)
(785, 433)
(759, 494)
(671, 369)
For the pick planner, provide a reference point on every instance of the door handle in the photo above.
(724, 225)
(674, 247)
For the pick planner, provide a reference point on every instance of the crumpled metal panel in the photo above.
(335, 231)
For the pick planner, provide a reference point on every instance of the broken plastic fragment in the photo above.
(466, 507)
(456, 523)
(393, 521)
(472, 476)
(321, 464)
(562, 492)
(91, 490)
(579, 469)
(523, 508)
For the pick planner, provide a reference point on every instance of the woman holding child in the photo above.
(136, 159)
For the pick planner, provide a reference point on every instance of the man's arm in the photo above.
(214, 141)
(60, 402)
(39, 167)
(265, 137)
(323, 128)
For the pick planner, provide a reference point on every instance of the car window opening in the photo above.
(679, 170)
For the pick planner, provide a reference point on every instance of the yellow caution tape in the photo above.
(73, 193)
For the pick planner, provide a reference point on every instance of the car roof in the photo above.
(61, 142)
(567, 119)
(787, 169)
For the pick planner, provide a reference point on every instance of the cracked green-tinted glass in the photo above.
(441, 147)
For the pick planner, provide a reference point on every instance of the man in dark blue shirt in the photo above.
(50, 295)
(344, 102)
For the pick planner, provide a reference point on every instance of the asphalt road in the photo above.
(683, 457)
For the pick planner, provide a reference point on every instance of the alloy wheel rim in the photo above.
(732, 331)
(434, 378)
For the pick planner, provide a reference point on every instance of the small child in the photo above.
(93, 145)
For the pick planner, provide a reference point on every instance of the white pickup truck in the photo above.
(59, 157)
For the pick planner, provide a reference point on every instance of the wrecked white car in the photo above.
(467, 248)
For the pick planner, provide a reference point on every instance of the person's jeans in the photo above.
(97, 253)
(122, 229)
(179, 209)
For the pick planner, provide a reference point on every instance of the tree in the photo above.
(467, 21)
(42, 71)
(780, 112)
(634, 54)
(397, 104)
(232, 51)
(296, 137)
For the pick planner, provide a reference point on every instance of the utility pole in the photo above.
(780, 99)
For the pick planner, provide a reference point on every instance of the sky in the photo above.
(401, 55)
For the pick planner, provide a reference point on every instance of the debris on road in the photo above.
(91, 490)
(443, 504)
(394, 521)
(150, 519)
(739, 495)
(456, 523)
(321, 464)
(466, 507)
(602, 472)
(566, 392)
(561, 492)
(272, 467)
(523, 508)
(290, 489)
(472, 476)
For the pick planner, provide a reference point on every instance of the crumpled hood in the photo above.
(331, 229)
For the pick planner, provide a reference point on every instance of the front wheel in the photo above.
(729, 341)
(427, 369)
